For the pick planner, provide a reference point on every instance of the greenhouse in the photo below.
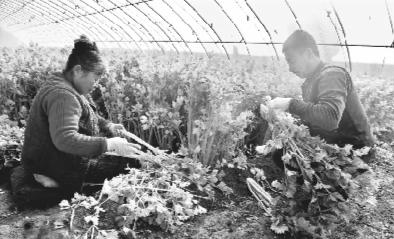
(196, 119)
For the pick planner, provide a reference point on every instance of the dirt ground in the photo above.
(240, 218)
(235, 217)
(376, 220)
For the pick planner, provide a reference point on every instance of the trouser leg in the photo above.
(105, 167)
(29, 193)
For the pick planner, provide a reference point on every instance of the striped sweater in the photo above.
(331, 107)
(62, 129)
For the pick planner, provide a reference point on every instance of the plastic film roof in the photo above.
(347, 30)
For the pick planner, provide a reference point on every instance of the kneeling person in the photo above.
(330, 106)
(62, 146)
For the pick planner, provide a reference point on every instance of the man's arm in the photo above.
(328, 110)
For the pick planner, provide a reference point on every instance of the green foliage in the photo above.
(168, 101)
(164, 193)
(189, 103)
(22, 71)
(203, 106)
(377, 97)
(318, 179)
(11, 141)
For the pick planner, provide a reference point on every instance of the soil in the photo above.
(238, 216)
(235, 217)
(377, 219)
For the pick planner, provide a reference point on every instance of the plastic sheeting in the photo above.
(255, 27)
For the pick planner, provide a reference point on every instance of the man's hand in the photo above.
(264, 111)
(279, 103)
(121, 147)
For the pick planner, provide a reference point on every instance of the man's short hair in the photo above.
(300, 40)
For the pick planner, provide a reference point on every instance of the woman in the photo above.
(63, 135)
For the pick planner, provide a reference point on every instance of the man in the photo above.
(330, 106)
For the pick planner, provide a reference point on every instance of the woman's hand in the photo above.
(121, 147)
(116, 129)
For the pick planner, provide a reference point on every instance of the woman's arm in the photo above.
(64, 111)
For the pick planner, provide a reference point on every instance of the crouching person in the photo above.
(330, 105)
(63, 147)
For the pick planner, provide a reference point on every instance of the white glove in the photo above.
(121, 147)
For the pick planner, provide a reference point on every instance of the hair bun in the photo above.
(83, 44)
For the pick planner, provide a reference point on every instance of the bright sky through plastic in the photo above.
(364, 22)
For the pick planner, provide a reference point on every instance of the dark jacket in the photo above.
(62, 129)
(331, 108)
